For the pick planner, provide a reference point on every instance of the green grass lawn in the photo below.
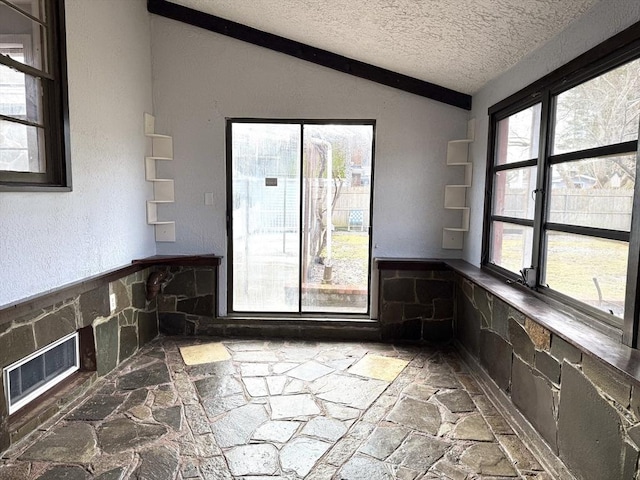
(574, 261)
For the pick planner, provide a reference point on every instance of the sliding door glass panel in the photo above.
(266, 217)
(337, 163)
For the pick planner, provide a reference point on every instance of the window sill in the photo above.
(607, 348)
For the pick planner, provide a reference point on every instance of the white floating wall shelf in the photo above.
(163, 188)
(455, 196)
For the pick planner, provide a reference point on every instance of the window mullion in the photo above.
(632, 305)
(541, 193)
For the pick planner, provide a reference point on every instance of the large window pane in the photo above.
(511, 246)
(21, 147)
(518, 136)
(512, 195)
(596, 192)
(602, 111)
(591, 270)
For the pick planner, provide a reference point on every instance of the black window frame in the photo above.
(55, 108)
(612, 53)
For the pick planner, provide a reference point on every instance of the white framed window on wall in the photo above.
(34, 136)
(562, 211)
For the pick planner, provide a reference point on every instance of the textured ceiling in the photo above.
(459, 44)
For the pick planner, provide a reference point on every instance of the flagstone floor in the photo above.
(275, 410)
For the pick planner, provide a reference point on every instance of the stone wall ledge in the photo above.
(606, 348)
(43, 300)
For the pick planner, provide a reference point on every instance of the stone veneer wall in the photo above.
(117, 336)
(187, 302)
(587, 413)
(416, 304)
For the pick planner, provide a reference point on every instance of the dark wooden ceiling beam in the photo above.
(311, 54)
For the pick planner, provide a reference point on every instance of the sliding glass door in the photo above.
(299, 203)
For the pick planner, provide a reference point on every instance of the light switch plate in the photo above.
(112, 302)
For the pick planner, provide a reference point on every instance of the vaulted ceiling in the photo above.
(458, 44)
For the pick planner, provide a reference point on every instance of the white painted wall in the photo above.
(51, 239)
(606, 19)
(199, 78)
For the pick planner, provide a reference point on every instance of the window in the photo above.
(28, 378)
(33, 100)
(562, 180)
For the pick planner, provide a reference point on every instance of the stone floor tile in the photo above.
(301, 454)
(295, 386)
(115, 474)
(15, 472)
(216, 387)
(325, 428)
(488, 459)
(256, 386)
(245, 345)
(384, 441)
(419, 452)
(215, 468)
(72, 443)
(205, 446)
(96, 408)
(340, 412)
(278, 431)
(456, 401)
(197, 419)
(445, 469)
(217, 369)
(105, 463)
(189, 468)
(216, 406)
(351, 391)
(472, 427)
(378, 367)
(155, 374)
(65, 472)
(322, 472)
(292, 406)
(342, 450)
(122, 434)
(157, 462)
(164, 396)
(309, 371)
(237, 426)
(258, 356)
(171, 417)
(204, 353)
(416, 414)
(442, 380)
(282, 367)
(140, 412)
(421, 392)
(254, 459)
(276, 384)
(254, 369)
(365, 468)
